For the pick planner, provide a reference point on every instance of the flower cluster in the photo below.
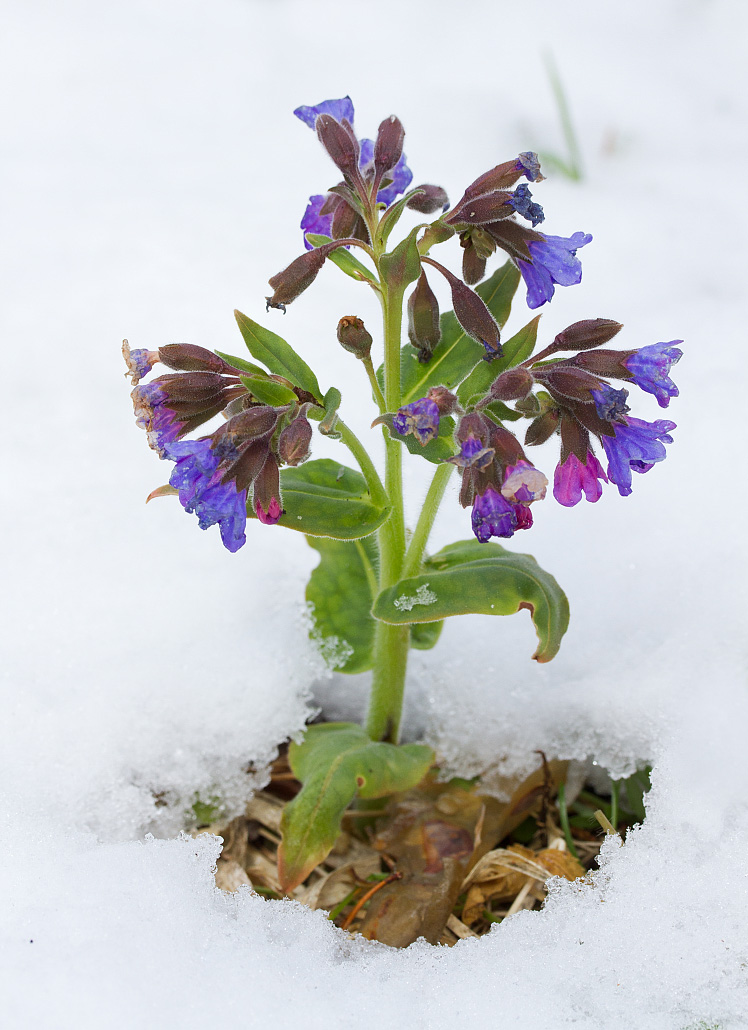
(214, 475)
(576, 403)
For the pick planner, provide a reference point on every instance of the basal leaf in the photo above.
(277, 355)
(515, 350)
(343, 258)
(467, 578)
(335, 762)
(456, 354)
(269, 391)
(325, 498)
(341, 589)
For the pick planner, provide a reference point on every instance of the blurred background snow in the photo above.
(154, 178)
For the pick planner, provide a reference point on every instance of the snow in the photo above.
(157, 178)
(407, 602)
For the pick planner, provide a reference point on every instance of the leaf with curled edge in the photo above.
(466, 578)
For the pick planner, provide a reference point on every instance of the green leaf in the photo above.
(241, 364)
(342, 588)
(456, 354)
(335, 762)
(424, 635)
(391, 216)
(482, 579)
(403, 264)
(277, 355)
(343, 258)
(325, 498)
(521, 346)
(269, 391)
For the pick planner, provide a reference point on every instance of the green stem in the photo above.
(414, 554)
(391, 643)
(375, 389)
(376, 489)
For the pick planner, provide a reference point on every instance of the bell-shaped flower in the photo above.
(421, 418)
(574, 477)
(637, 446)
(554, 263)
(650, 368)
(493, 515)
(523, 483)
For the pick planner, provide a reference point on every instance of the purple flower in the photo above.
(139, 362)
(523, 204)
(554, 262)
(421, 418)
(197, 478)
(314, 221)
(636, 445)
(339, 109)
(572, 478)
(524, 484)
(473, 454)
(530, 165)
(152, 414)
(271, 516)
(494, 516)
(649, 368)
(610, 403)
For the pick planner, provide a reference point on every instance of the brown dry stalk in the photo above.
(370, 893)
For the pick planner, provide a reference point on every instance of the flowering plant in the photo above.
(452, 395)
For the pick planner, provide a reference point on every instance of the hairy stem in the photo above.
(415, 552)
(377, 490)
(375, 389)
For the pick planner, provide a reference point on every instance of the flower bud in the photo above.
(353, 336)
(423, 319)
(590, 332)
(266, 495)
(340, 142)
(388, 148)
(430, 200)
(344, 221)
(294, 441)
(472, 313)
(300, 274)
(187, 357)
(506, 445)
(512, 385)
(444, 399)
(568, 383)
(473, 265)
(489, 207)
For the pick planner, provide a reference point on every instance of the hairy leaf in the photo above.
(269, 391)
(335, 762)
(516, 350)
(241, 364)
(325, 498)
(402, 265)
(466, 578)
(277, 355)
(341, 589)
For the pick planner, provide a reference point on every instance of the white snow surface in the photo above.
(154, 177)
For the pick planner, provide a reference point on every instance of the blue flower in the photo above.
(339, 109)
(530, 165)
(494, 516)
(400, 175)
(197, 478)
(649, 368)
(139, 362)
(637, 445)
(554, 262)
(610, 403)
(523, 204)
(421, 418)
(473, 454)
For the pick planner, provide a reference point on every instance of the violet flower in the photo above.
(473, 454)
(523, 204)
(421, 418)
(554, 263)
(649, 368)
(493, 515)
(637, 445)
(572, 478)
(197, 478)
